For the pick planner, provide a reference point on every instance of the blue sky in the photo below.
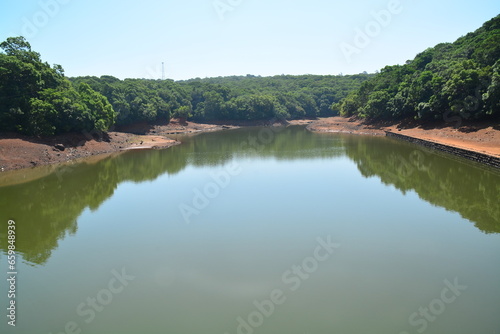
(207, 38)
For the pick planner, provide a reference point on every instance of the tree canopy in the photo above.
(224, 98)
(254, 97)
(37, 99)
(448, 81)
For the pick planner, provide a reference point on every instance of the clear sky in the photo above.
(206, 38)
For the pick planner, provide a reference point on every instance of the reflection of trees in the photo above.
(455, 184)
(47, 209)
(285, 143)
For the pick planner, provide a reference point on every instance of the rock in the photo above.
(60, 147)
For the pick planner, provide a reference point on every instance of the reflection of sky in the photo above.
(236, 250)
(395, 252)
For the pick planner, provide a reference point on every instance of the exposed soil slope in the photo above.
(478, 137)
(17, 152)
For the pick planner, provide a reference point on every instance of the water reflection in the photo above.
(46, 209)
(441, 179)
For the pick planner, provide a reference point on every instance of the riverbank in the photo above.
(18, 152)
(478, 137)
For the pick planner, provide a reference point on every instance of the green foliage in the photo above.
(138, 100)
(36, 99)
(253, 98)
(99, 114)
(224, 98)
(492, 95)
(460, 79)
(183, 112)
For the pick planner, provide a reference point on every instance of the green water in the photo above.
(257, 231)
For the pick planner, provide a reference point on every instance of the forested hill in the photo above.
(38, 99)
(446, 82)
(252, 97)
(224, 98)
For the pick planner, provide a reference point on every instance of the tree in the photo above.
(460, 78)
(492, 96)
(20, 48)
(37, 99)
(183, 112)
(99, 114)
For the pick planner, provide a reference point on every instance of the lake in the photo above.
(257, 230)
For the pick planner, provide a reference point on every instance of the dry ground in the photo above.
(17, 151)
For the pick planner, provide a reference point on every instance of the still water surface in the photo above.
(258, 231)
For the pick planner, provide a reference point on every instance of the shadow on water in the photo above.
(47, 209)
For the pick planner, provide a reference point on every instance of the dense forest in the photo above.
(450, 81)
(225, 98)
(37, 99)
(285, 96)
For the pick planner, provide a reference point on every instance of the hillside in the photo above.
(450, 82)
(224, 98)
